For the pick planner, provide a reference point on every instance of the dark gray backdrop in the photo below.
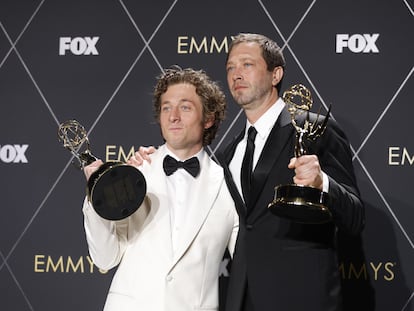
(96, 61)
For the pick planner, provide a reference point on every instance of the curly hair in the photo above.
(271, 52)
(212, 97)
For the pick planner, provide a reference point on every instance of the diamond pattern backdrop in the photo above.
(96, 61)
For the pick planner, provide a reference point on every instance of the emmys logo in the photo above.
(192, 45)
(399, 156)
(48, 264)
(357, 43)
(13, 153)
(118, 153)
(78, 45)
(377, 270)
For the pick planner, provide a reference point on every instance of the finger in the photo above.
(91, 168)
(138, 156)
(151, 149)
(309, 174)
(97, 163)
(308, 159)
(136, 160)
(292, 163)
(145, 152)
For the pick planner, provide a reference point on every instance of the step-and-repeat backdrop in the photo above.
(96, 61)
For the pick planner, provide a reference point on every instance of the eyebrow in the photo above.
(242, 59)
(185, 99)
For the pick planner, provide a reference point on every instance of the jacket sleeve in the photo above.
(228, 202)
(106, 239)
(335, 157)
(235, 230)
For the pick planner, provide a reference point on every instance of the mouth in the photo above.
(239, 87)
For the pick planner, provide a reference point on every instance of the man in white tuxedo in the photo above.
(168, 253)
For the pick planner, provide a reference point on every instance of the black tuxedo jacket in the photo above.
(289, 266)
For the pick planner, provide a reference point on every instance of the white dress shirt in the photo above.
(179, 186)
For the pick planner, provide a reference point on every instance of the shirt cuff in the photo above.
(325, 185)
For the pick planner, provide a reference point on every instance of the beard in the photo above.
(248, 96)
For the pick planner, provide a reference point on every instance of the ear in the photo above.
(277, 75)
(209, 123)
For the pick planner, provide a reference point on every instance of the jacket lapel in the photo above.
(158, 221)
(225, 159)
(280, 135)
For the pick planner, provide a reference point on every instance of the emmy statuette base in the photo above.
(116, 190)
(300, 204)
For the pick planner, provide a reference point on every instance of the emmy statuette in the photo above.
(115, 190)
(302, 204)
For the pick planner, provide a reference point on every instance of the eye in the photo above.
(247, 65)
(229, 68)
(185, 108)
(165, 108)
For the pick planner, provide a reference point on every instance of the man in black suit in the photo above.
(281, 264)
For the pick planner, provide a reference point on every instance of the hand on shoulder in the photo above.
(143, 154)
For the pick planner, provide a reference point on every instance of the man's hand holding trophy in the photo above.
(301, 203)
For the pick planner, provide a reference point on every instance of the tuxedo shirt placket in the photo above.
(178, 186)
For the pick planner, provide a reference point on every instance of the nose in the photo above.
(236, 74)
(174, 114)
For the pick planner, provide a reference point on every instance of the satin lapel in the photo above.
(231, 148)
(280, 135)
(225, 161)
(202, 198)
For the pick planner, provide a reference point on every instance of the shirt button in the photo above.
(169, 278)
(249, 227)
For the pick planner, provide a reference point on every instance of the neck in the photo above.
(184, 154)
(255, 111)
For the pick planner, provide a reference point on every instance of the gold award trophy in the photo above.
(303, 204)
(115, 190)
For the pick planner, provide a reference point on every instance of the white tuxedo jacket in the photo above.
(149, 276)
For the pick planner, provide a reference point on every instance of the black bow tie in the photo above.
(192, 165)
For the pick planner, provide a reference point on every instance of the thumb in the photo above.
(292, 163)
